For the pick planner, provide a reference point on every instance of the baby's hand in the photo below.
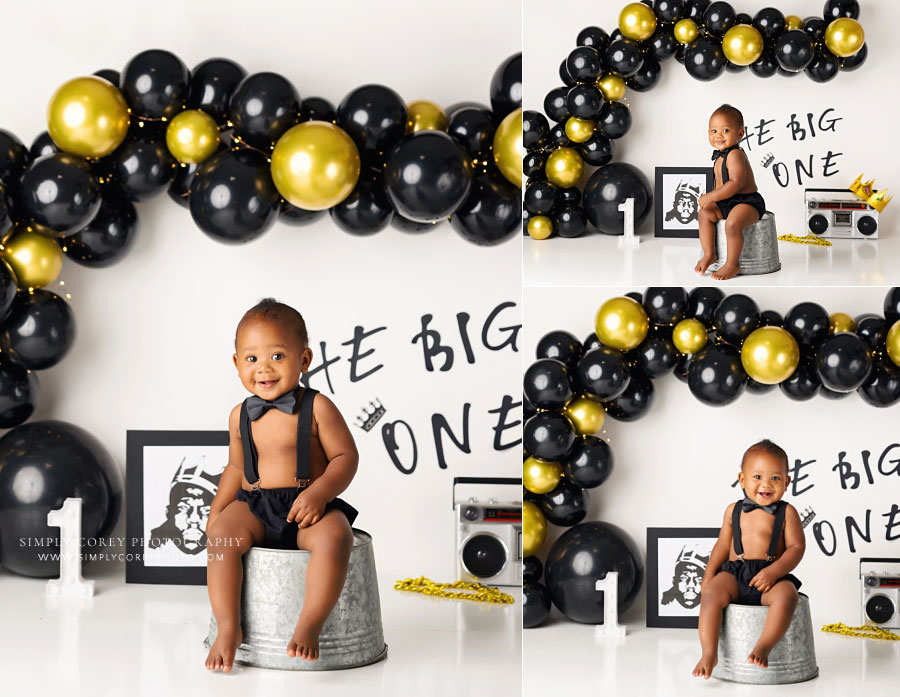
(307, 509)
(764, 580)
(704, 201)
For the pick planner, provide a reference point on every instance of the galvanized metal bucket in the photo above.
(271, 598)
(760, 252)
(792, 660)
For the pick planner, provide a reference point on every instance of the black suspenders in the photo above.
(777, 526)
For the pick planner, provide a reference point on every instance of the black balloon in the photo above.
(584, 64)
(39, 331)
(808, 323)
(824, 66)
(758, 387)
(532, 569)
(411, 226)
(704, 59)
(539, 197)
(60, 192)
(567, 79)
(662, 44)
(833, 394)
(668, 10)
(770, 23)
(18, 393)
(548, 436)
(13, 157)
(851, 63)
(646, 77)
(735, 317)
(559, 138)
(635, 401)
(109, 236)
(528, 409)
(533, 164)
(815, 28)
(212, 83)
(8, 289)
(614, 120)
(294, 216)
(367, 209)
(374, 116)
(561, 346)
(743, 18)
(683, 366)
(113, 76)
(592, 36)
(262, 107)
(765, 65)
(656, 354)
(804, 383)
(882, 387)
(702, 303)
(794, 50)
(472, 127)
(317, 109)
(665, 304)
(41, 146)
(596, 150)
(535, 603)
(546, 384)
(491, 213)
(584, 101)
(872, 329)
(556, 104)
(892, 306)
(506, 87)
(180, 187)
(636, 296)
(624, 57)
(602, 373)
(770, 318)
(155, 84)
(719, 18)
(233, 198)
(835, 9)
(591, 342)
(566, 505)
(694, 9)
(6, 221)
(142, 165)
(609, 187)
(716, 376)
(570, 196)
(534, 129)
(589, 463)
(569, 221)
(843, 362)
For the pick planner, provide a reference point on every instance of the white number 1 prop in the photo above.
(629, 240)
(609, 586)
(70, 583)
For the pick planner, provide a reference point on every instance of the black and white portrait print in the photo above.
(684, 208)
(682, 564)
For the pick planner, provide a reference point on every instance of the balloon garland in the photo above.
(708, 38)
(721, 345)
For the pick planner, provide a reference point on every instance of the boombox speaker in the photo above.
(880, 591)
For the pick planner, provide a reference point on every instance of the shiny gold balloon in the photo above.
(689, 335)
(686, 31)
(423, 115)
(33, 254)
(742, 44)
(611, 86)
(892, 343)
(844, 37)
(540, 227)
(579, 130)
(564, 167)
(792, 22)
(540, 476)
(192, 137)
(637, 21)
(621, 323)
(841, 322)
(586, 415)
(508, 148)
(534, 528)
(87, 116)
(770, 355)
(315, 165)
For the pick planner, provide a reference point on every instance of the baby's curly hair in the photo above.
(731, 113)
(766, 446)
(273, 311)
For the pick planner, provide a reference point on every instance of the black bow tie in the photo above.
(722, 153)
(257, 406)
(749, 504)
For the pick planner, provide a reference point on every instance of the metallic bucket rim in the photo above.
(361, 539)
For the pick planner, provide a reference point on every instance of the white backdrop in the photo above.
(156, 331)
(675, 466)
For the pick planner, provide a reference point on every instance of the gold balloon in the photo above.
(564, 167)
(540, 476)
(87, 116)
(686, 31)
(792, 22)
(540, 227)
(33, 254)
(621, 323)
(611, 86)
(844, 37)
(586, 415)
(508, 148)
(742, 44)
(892, 343)
(689, 335)
(423, 115)
(579, 130)
(841, 322)
(315, 165)
(192, 137)
(770, 355)
(637, 21)
(534, 528)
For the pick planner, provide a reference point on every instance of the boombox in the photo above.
(880, 591)
(488, 529)
(840, 213)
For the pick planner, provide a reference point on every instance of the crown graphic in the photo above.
(867, 192)
(196, 474)
(684, 186)
(768, 160)
(369, 415)
(806, 516)
(690, 555)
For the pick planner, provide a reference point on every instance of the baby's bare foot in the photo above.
(726, 271)
(221, 653)
(760, 655)
(704, 263)
(304, 642)
(705, 666)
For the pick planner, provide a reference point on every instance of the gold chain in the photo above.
(864, 631)
(808, 239)
(474, 591)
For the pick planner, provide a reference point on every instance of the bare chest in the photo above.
(275, 439)
(756, 535)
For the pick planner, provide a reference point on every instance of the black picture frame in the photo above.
(140, 566)
(663, 537)
(664, 198)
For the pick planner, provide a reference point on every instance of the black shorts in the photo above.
(271, 506)
(754, 199)
(744, 571)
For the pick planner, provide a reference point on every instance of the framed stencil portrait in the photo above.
(676, 563)
(171, 480)
(677, 195)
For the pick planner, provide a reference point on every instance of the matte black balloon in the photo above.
(882, 387)
(804, 383)
(142, 166)
(584, 64)
(18, 394)
(704, 59)
(656, 355)
(533, 570)
(646, 77)
(815, 28)
(668, 10)
(824, 66)
(13, 157)
(506, 87)
(570, 196)
(635, 401)
(794, 50)
(546, 384)
(843, 362)
(109, 236)
(592, 36)
(39, 331)
(42, 145)
(872, 329)
(853, 62)
(367, 209)
(155, 84)
(694, 9)
(535, 603)
(665, 304)
(589, 463)
(559, 138)
(540, 197)
(8, 289)
(60, 192)
(719, 18)
(427, 176)
(566, 505)
(41, 465)
(567, 79)
(765, 65)
(770, 318)
(716, 376)
(233, 198)
(584, 101)
(835, 9)
(735, 318)
(533, 164)
(591, 342)
(614, 120)
(892, 306)
(491, 212)
(262, 107)
(290, 214)
(374, 116)
(112, 76)
(770, 23)
(808, 323)
(624, 57)
(662, 45)
(597, 150)
(702, 303)
(602, 373)
(569, 221)
(584, 555)
(212, 83)
(548, 436)
(561, 346)
(472, 127)
(610, 186)
(556, 104)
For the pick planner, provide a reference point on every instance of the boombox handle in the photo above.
(480, 480)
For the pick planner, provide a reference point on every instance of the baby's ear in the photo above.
(234, 358)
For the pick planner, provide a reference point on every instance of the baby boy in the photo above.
(289, 456)
(761, 541)
(735, 198)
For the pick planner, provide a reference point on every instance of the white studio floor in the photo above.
(148, 640)
(562, 657)
(594, 259)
